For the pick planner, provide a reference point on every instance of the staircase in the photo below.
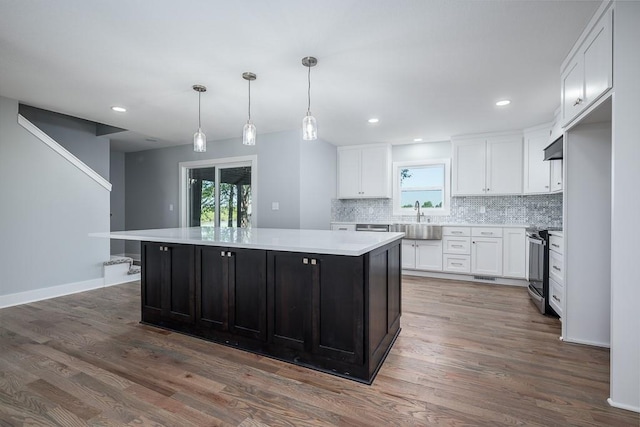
(120, 270)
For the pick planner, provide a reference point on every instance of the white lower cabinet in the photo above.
(456, 263)
(556, 295)
(486, 256)
(422, 254)
(514, 257)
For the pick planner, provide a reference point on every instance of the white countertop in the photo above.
(466, 224)
(349, 243)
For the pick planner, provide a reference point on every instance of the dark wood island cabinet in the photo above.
(335, 313)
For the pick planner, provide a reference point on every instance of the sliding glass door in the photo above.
(217, 193)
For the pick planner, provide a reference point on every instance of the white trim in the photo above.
(623, 406)
(127, 279)
(466, 278)
(50, 292)
(585, 342)
(35, 131)
(183, 168)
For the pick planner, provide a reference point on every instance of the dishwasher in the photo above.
(372, 227)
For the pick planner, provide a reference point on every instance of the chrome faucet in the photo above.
(417, 207)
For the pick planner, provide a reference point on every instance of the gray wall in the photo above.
(76, 135)
(48, 209)
(116, 172)
(318, 162)
(152, 181)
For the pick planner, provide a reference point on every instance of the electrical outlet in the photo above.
(171, 207)
(483, 209)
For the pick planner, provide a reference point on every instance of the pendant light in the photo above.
(199, 138)
(249, 129)
(309, 126)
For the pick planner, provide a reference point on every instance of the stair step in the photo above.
(135, 269)
(115, 260)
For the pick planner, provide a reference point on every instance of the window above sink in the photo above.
(424, 181)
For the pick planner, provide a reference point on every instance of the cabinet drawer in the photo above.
(456, 231)
(457, 263)
(556, 244)
(486, 232)
(343, 227)
(556, 296)
(556, 267)
(456, 245)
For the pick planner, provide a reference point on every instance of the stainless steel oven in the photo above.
(539, 270)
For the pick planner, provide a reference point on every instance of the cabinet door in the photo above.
(375, 178)
(556, 175)
(573, 89)
(338, 308)
(598, 60)
(514, 257)
(408, 254)
(349, 174)
(537, 173)
(290, 292)
(429, 255)
(469, 167)
(152, 283)
(504, 166)
(213, 289)
(180, 283)
(248, 292)
(486, 256)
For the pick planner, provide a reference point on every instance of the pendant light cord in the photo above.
(309, 91)
(249, 99)
(199, 126)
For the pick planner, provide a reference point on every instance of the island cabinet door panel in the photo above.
(212, 289)
(338, 308)
(168, 283)
(181, 283)
(248, 293)
(290, 288)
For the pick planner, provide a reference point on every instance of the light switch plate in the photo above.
(275, 206)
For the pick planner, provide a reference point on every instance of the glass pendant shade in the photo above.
(249, 133)
(309, 128)
(199, 141)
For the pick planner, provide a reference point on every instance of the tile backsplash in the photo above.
(542, 211)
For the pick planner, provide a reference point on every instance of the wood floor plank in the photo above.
(468, 354)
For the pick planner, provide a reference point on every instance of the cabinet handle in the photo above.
(305, 260)
(314, 261)
(456, 232)
(485, 233)
(229, 254)
(456, 263)
(578, 101)
(473, 243)
(546, 186)
(221, 253)
(559, 183)
(556, 268)
(556, 298)
(487, 189)
(456, 246)
(555, 246)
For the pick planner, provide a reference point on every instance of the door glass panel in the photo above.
(235, 197)
(202, 200)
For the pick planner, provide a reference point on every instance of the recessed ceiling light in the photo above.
(118, 109)
(373, 120)
(417, 139)
(503, 103)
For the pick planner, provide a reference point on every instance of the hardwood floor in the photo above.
(468, 354)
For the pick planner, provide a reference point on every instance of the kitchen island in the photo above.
(321, 299)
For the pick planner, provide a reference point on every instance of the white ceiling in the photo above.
(427, 69)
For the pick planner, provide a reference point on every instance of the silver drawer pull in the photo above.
(555, 246)
(222, 253)
(578, 101)
(305, 260)
(556, 298)
(556, 268)
(314, 261)
(456, 246)
(229, 254)
(486, 232)
(456, 263)
(456, 232)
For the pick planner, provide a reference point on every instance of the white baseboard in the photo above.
(623, 406)
(587, 342)
(124, 279)
(50, 292)
(467, 278)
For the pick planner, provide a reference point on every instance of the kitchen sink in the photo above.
(418, 231)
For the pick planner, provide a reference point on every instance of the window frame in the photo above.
(446, 196)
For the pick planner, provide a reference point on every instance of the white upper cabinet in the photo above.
(589, 73)
(537, 171)
(487, 166)
(364, 172)
(469, 166)
(556, 176)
